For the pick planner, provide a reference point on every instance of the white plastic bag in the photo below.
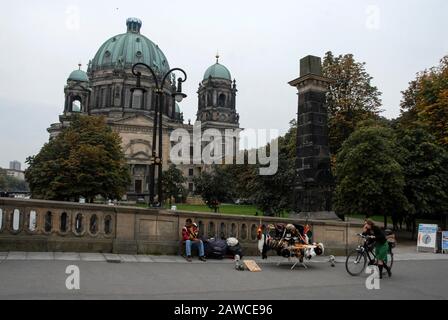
(232, 242)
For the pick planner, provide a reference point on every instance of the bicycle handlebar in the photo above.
(364, 237)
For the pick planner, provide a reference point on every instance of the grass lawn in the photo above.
(380, 220)
(239, 210)
(242, 210)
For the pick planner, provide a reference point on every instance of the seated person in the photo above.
(190, 234)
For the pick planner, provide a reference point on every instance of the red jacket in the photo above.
(190, 233)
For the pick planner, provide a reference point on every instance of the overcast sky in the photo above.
(261, 42)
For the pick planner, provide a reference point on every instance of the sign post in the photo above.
(445, 241)
(427, 235)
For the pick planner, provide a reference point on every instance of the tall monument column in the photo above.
(314, 184)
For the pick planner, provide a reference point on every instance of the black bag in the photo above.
(216, 249)
(235, 250)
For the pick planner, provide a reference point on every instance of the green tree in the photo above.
(425, 102)
(351, 97)
(275, 194)
(215, 187)
(370, 179)
(425, 167)
(2, 179)
(173, 183)
(242, 177)
(12, 184)
(84, 160)
(409, 115)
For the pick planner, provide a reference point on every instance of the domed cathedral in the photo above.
(107, 89)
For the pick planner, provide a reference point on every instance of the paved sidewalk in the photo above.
(404, 253)
(35, 280)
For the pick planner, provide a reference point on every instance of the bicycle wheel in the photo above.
(390, 259)
(356, 263)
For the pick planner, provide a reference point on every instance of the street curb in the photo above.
(274, 260)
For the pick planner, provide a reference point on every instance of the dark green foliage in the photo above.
(173, 183)
(215, 187)
(351, 97)
(425, 166)
(370, 179)
(84, 160)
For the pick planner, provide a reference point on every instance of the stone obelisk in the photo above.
(315, 183)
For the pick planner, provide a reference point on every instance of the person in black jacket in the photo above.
(381, 245)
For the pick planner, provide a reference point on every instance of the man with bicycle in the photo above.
(381, 245)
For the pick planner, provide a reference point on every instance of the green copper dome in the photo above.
(177, 110)
(127, 49)
(218, 71)
(78, 75)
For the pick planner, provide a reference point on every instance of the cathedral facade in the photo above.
(106, 89)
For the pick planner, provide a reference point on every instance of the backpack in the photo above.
(216, 249)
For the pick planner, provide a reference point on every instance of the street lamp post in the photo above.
(157, 155)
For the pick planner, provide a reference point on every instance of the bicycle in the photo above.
(357, 260)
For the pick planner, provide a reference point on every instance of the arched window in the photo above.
(48, 221)
(147, 101)
(222, 100)
(139, 56)
(253, 232)
(33, 221)
(97, 98)
(93, 224)
(78, 223)
(233, 231)
(107, 57)
(127, 97)
(223, 231)
(63, 224)
(108, 225)
(103, 97)
(16, 220)
(211, 230)
(201, 228)
(244, 232)
(137, 97)
(76, 105)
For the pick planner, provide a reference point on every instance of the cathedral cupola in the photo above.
(218, 71)
(134, 25)
(217, 96)
(77, 92)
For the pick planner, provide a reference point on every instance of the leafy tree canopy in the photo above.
(351, 97)
(12, 184)
(215, 187)
(370, 179)
(425, 166)
(425, 102)
(84, 160)
(173, 183)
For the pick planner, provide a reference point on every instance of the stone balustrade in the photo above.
(34, 225)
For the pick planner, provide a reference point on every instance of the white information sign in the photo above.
(427, 235)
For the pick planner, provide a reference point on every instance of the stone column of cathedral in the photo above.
(314, 178)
